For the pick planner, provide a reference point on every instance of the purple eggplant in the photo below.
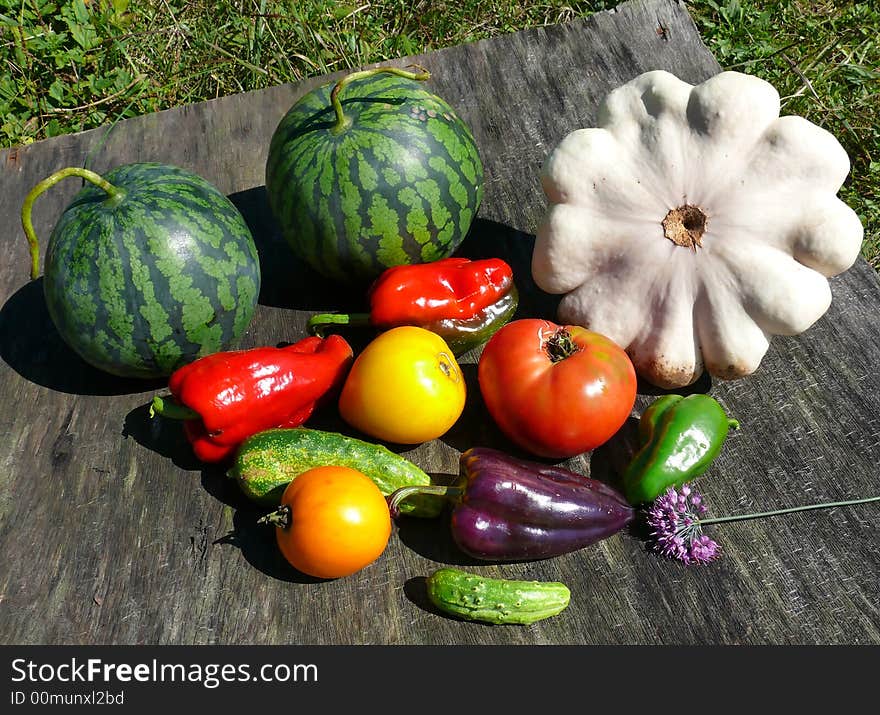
(509, 509)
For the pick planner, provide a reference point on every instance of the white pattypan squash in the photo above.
(694, 223)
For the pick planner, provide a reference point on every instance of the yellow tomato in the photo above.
(405, 387)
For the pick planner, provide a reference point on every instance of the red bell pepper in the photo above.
(229, 396)
(464, 301)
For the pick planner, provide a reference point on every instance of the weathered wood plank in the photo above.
(112, 533)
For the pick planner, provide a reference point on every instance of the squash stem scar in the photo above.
(685, 226)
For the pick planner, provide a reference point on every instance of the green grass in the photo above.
(68, 66)
(824, 58)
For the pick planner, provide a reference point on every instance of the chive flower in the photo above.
(677, 521)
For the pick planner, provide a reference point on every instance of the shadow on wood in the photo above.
(432, 539)
(161, 435)
(32, 346)
(286, 281)
(259, 548)
(475, 427)
(608, 461)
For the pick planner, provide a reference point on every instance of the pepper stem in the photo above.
(172, 409)
(343, 122)
(280, 517)
(808, 507)
(114, 194)
(318, 323)
(397, 496)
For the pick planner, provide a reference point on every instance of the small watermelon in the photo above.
(389, 176)
(148, 270)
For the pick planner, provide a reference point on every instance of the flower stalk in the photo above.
(677, 522)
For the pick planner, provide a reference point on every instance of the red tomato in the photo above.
(554, 390)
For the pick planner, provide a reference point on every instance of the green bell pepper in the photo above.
(679, 437)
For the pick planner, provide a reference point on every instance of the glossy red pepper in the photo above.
(229, 396)
(464, 301)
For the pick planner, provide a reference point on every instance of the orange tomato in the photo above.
(338, 522)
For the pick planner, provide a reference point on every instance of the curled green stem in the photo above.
(343, 122)
(318, 324)
(398, 495)
(114, 195)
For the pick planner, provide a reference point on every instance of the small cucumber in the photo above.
(493, 600)
(268, 461)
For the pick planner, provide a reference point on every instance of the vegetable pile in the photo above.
(151, 271)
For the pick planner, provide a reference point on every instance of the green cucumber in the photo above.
(477, 598)
(268, 461)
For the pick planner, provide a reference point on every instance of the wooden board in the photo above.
(112, 533)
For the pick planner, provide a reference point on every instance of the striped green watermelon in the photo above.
(142, 281)
(397, 180)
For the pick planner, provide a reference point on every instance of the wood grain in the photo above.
(111, 533)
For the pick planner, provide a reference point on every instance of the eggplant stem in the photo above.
(397, 496)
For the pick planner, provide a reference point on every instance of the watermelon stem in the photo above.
(114, 196)
(318, 323)
(343, 122)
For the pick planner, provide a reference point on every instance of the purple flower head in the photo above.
(676, 530)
